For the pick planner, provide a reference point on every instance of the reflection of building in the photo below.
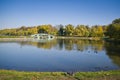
(42, 36)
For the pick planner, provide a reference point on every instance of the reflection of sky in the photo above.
(13, 56)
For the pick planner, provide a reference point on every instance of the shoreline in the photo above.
(82, 38)
(56, 37)
(24, 75)
(15, 39)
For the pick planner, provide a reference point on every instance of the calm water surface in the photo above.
(68, 55)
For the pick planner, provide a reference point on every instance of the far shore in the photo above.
(24, 38)
(76, 37)
(15, 39)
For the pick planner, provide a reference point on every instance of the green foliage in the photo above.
(116, 21)
(101, 75)
(47, 29)
(96, 31)
(69, 30)
(17, 75)
(113, 30)
(26, 31)
(82, 31)
(61, 31)
(23, 31)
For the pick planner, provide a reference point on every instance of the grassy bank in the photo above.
(27, 38)
(15, 39)
(59, 37)
(12, 36)
(83, 38)
(20, 75)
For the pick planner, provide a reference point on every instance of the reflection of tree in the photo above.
(68, 44)
(60, 43)
(45, 45)
(113, 51)
(82, 44)
(97, 45)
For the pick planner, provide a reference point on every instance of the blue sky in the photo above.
(17, 13)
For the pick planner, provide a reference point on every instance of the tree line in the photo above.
(112, 30)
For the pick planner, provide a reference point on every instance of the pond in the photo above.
(66, 55)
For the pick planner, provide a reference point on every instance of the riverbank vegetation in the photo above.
(111, 31)
(20, 75)
(59, 30)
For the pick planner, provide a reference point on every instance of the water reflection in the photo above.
(44, 45)
(113, 51)
(90, 46)
(68, 44)
(65, 55)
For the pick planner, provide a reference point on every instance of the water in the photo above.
(67, 55)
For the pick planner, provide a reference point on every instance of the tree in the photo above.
(47, 29)
(100, 31)
(41, 29)
(78, 31)
(54, 31)
(97, 31)
(69, 30)
(113, 30)
(116, 21)
(61, 30)
(81, 30)
(93, 32)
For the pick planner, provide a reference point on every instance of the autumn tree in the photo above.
(69, 30)
(47, 29)
(96, 31)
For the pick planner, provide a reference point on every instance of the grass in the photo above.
(14, 36)
(21, 75)
(78, 37)
(9, 36)
(101, 75)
